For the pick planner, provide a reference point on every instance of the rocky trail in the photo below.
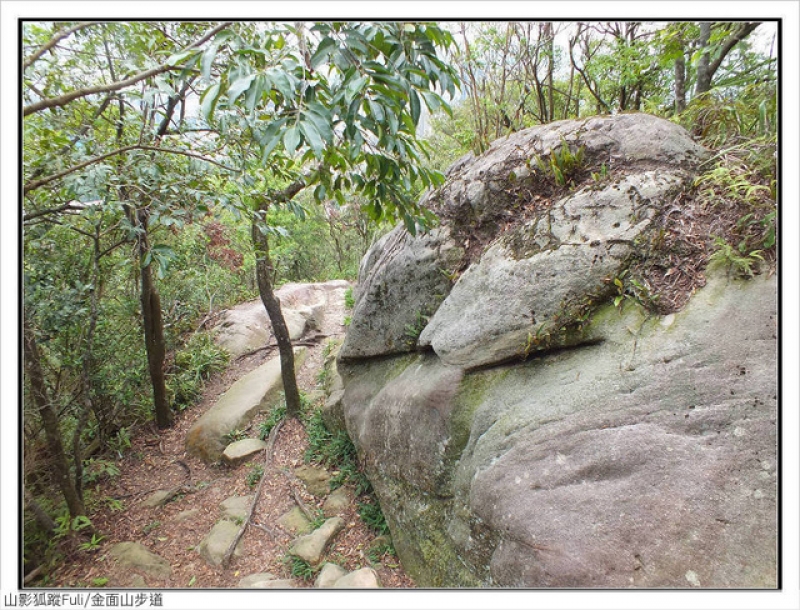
(170, 518)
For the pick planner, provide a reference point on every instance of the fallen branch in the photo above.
(307, 342)
(267, 459)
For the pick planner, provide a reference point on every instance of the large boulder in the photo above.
(545, 432)
(246, 327)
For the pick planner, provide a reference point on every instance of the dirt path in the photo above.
(157, 460)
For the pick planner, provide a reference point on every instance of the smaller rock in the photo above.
(337, 503)
(316, 479)
(215, 545)
(187, 515)
(137, 556)
(312, 546)
(328, 575)
(236, 508)
(239, 451)
(264, 580)
(295, 521)
(365, 578)
(158, 498)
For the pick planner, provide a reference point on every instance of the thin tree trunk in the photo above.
(52, 431)
(549, 38)
(680, 83)
(154, 338)
(264, 271)
(703, 73)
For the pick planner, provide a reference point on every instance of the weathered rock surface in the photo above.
(216, 543)
(527, 288)
(633, 450)
(239, 451)
(235, 408)
(295, 521)
(247, 327)
(315, 478)
(328, 575)
(337, 502)
(311, 547)
(402, 281)
(265, 580)
(236, 508)
(158, 498)
(138, 557)
(365, 578)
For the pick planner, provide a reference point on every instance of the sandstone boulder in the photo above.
(541, 432)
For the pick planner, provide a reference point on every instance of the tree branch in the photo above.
(57, 37)
(30, 186)
(740, 34)
(62, 100)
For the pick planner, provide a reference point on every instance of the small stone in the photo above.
(316, 479)
(187, 515)
(239, 451)
(137, 556)
(337, 503)
(264, 580)
(328, 575)
(312, 546)
(295, 521)
(215, 545)
(158, 498)
(236, 508)
(365, 578)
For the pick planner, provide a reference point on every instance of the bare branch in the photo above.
(57, 37)
(62, 100)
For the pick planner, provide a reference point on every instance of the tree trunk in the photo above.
(549, 38)
(153, 331)
(680, 84)
(264, 271)
(58, 457)
(703, 65)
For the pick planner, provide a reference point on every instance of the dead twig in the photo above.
(307, 342)
(267, 459)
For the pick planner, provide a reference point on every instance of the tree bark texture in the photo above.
(264, 272)
(52, 431)
(153, 331)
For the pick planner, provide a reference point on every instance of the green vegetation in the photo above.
(254, 475)
(562, 165)
(300, 568)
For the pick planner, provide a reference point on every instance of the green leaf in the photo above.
(209, 100)
(239, 86)
(291, 139)
(271, 137)
(413, 98)
(179, 58)
(323, 51)
(312, 137)
(208, 60)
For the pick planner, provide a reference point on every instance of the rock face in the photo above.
(537, 435)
